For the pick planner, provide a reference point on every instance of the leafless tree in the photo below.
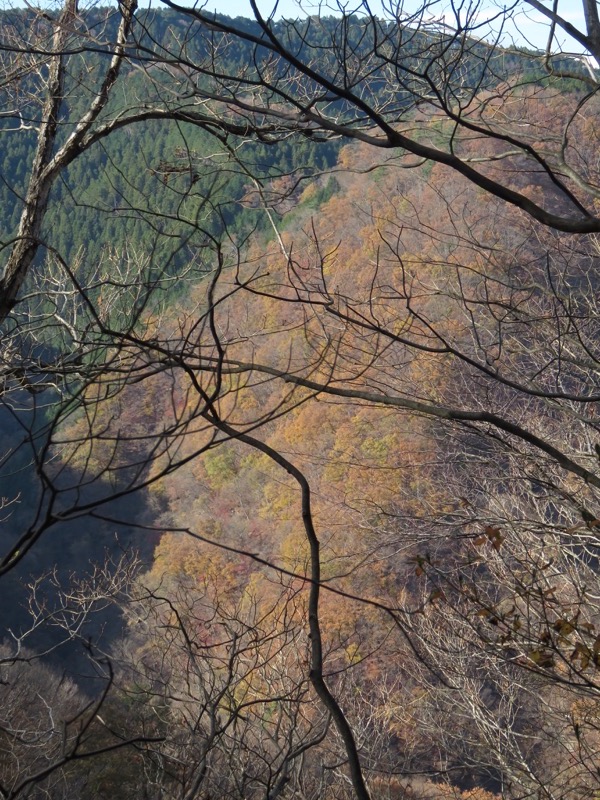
(50, 724)
(224, 681)
(515, 344)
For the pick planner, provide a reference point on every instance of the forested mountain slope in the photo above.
(316, 332)
(149, 198)
(116, 190)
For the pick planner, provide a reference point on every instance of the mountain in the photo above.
(342, 400)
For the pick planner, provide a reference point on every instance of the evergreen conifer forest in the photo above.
(299, 402)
